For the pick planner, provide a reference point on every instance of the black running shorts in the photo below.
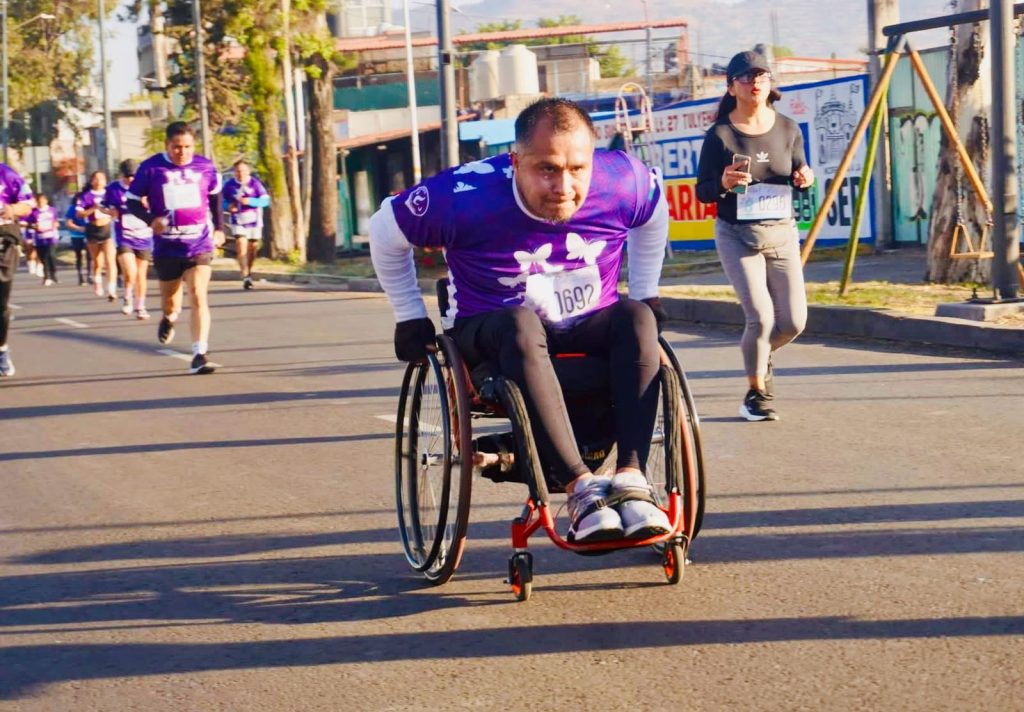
(169, 269)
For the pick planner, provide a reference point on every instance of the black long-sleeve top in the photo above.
(774, 156)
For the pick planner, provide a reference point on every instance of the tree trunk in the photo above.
(323, 224)
(972, 122)
(266, 98)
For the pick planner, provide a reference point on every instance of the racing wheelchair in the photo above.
(437, 458)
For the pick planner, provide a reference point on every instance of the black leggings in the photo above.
(518, 342)
(5, 309)
(47, 253)
(78, 245)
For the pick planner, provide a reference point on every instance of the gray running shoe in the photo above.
(641, 517)
(592, 519)
(6, 364)
(755, 406)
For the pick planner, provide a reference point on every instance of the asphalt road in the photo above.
(227, 542)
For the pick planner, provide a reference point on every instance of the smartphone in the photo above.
(740, 158)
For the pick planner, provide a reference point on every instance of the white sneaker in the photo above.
(126, 308)
(47, 282)
(592, 519)
(641, 518)
(141, 313)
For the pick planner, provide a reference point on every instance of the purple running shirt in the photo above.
(92, 199)
(47, 229)
(13, 189)
(181, 195)
(129, 231)
(249, 216)
(500, 256)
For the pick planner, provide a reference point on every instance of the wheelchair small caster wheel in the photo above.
(673, 562)
(520, 575)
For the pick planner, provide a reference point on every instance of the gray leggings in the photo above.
(769, 282)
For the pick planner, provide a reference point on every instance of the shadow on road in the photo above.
(25, 667)
(197, 445)
(234, 399)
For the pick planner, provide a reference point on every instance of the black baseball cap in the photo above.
(746, 62)
(128, 167)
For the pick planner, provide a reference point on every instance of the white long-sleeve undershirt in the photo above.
(392, 257)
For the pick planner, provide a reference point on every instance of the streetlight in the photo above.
(3, 19)
(410, 78)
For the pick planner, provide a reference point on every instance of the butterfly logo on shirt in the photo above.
(527, 262)
(479, 167)
(579, 249)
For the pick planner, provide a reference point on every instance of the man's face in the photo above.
(181, 149)
(553, 171)
(242, 172)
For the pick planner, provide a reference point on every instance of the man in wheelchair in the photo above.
(534, 240)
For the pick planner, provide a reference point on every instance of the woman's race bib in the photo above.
(765, 201)
(559, 296)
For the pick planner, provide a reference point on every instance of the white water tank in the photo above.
(518, 71)
(483, 76)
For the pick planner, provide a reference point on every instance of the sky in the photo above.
(718, 28)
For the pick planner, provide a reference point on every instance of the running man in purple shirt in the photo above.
(244, 198)
(44, 223)
(134, 242)
(177, 194)
(15, 202)
(534, 244)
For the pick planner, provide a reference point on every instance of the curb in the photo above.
(848, 322)
(865, 323)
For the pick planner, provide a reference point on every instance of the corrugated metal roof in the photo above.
(396, 41)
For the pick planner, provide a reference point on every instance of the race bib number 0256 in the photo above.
(558, 296)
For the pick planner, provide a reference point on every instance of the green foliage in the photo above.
(781, 51)
(50, 66)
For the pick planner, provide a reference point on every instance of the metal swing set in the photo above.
(875, 114)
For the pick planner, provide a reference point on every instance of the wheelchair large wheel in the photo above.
(692, 445)
(433, 464)
(665, 460)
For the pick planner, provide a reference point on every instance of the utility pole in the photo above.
(446, 76)
(880, 14)
(161, 109)
(6, 78)
(291, 155)
(1005, 244)
(108, 127)
(410, 78)
(647, 54)
(204, 115)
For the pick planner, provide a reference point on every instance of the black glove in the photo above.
(412, 338)
(660, 315)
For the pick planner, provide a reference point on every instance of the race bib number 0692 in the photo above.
(557, 296)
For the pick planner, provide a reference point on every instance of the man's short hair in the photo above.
(178, 128)
(564, 115)
(240, 162)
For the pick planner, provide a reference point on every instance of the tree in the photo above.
(255, 24)
(965, 104)
(50, 62)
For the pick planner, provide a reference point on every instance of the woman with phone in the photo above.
(751, 160)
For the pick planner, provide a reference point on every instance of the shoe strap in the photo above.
(639, 495)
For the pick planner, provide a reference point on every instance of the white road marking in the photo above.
(183, 357)
(13, 306)
(71, 322)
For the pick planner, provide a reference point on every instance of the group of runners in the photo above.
(166, 211)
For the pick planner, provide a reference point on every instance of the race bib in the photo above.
(130, 222)
(765, 201)
(558, 296)
(181, 196)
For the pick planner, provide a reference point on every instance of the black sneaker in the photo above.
(769, 379)
(247, 283)
(200, 365)
(165, 331)
(755, 407)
